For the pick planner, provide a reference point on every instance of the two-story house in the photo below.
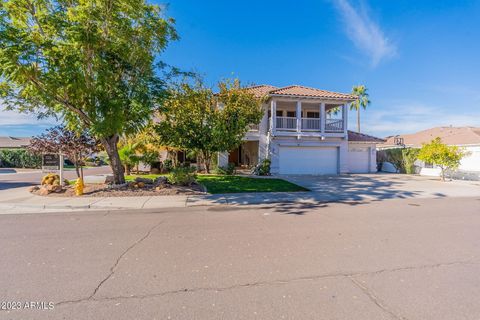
(304, 131)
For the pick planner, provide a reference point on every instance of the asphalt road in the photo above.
(24, 178)
(394, 259)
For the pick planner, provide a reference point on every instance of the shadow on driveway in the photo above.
(359, 187)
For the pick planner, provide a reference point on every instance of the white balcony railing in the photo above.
(308, 124)
(311, 124)
(333, 125)
(286, 123)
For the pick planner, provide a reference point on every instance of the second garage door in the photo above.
(358, 159)
(308, 160)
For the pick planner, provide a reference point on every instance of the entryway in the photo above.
(246, 155)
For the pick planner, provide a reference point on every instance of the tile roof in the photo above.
(298, 91)
(261, 90)
(449, 135)
(311, 92)
(14, 142)
(362, 137)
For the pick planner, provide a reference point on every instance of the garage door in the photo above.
(308, 160)
(359, 159)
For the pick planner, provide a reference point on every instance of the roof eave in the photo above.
(275, 95)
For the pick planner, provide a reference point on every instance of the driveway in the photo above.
(383, 186)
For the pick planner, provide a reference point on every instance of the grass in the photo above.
(238, 184)
(234, 184)
(148, 176)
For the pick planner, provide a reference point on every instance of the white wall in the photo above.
(471, 162)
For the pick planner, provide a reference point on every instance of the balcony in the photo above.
(309, 124)
(307, 118)
(334, 125)
(286, 123)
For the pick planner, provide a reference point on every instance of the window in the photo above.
(312, 114)
(291, 114)
(279, 113)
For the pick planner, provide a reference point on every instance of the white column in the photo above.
(322, 117)
(299, 116)
(273, 116)
(345, 118)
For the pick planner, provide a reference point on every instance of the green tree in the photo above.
(91, 63)
(444, 156)
(361, 102)
(195, 118)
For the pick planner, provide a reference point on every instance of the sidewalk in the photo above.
(19, 200)
(351, 188)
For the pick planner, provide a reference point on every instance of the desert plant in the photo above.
(183, 176)
(128, 157)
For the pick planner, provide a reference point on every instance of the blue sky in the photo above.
(419, 59)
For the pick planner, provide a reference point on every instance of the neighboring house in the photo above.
(304, 131)
(468, 138)
(14, 142)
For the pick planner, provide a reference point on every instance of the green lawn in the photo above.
(237, 184)
(234, 184)
(148, 176)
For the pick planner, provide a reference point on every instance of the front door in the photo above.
(234, 156)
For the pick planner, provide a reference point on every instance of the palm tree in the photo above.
(362, 101)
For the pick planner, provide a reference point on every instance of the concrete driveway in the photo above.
(383, 186)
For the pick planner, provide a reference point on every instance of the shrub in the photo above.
(410, 155)
(183, 176)
(402, 159)
(168, 165)
(263, 169)
(226, 170)
(19, 158)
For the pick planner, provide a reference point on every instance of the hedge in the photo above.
(19, 158)
(402, 159)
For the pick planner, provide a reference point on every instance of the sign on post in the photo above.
(51, 162)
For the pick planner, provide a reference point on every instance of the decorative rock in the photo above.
(33, 188)
(144, 180)
(160, 181)
(43, 192)
(140, 184)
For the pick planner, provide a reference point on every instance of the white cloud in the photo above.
(411, 117)
(365, 33)
(13, 118)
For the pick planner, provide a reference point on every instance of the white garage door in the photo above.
(308, 160)
(358, 160)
